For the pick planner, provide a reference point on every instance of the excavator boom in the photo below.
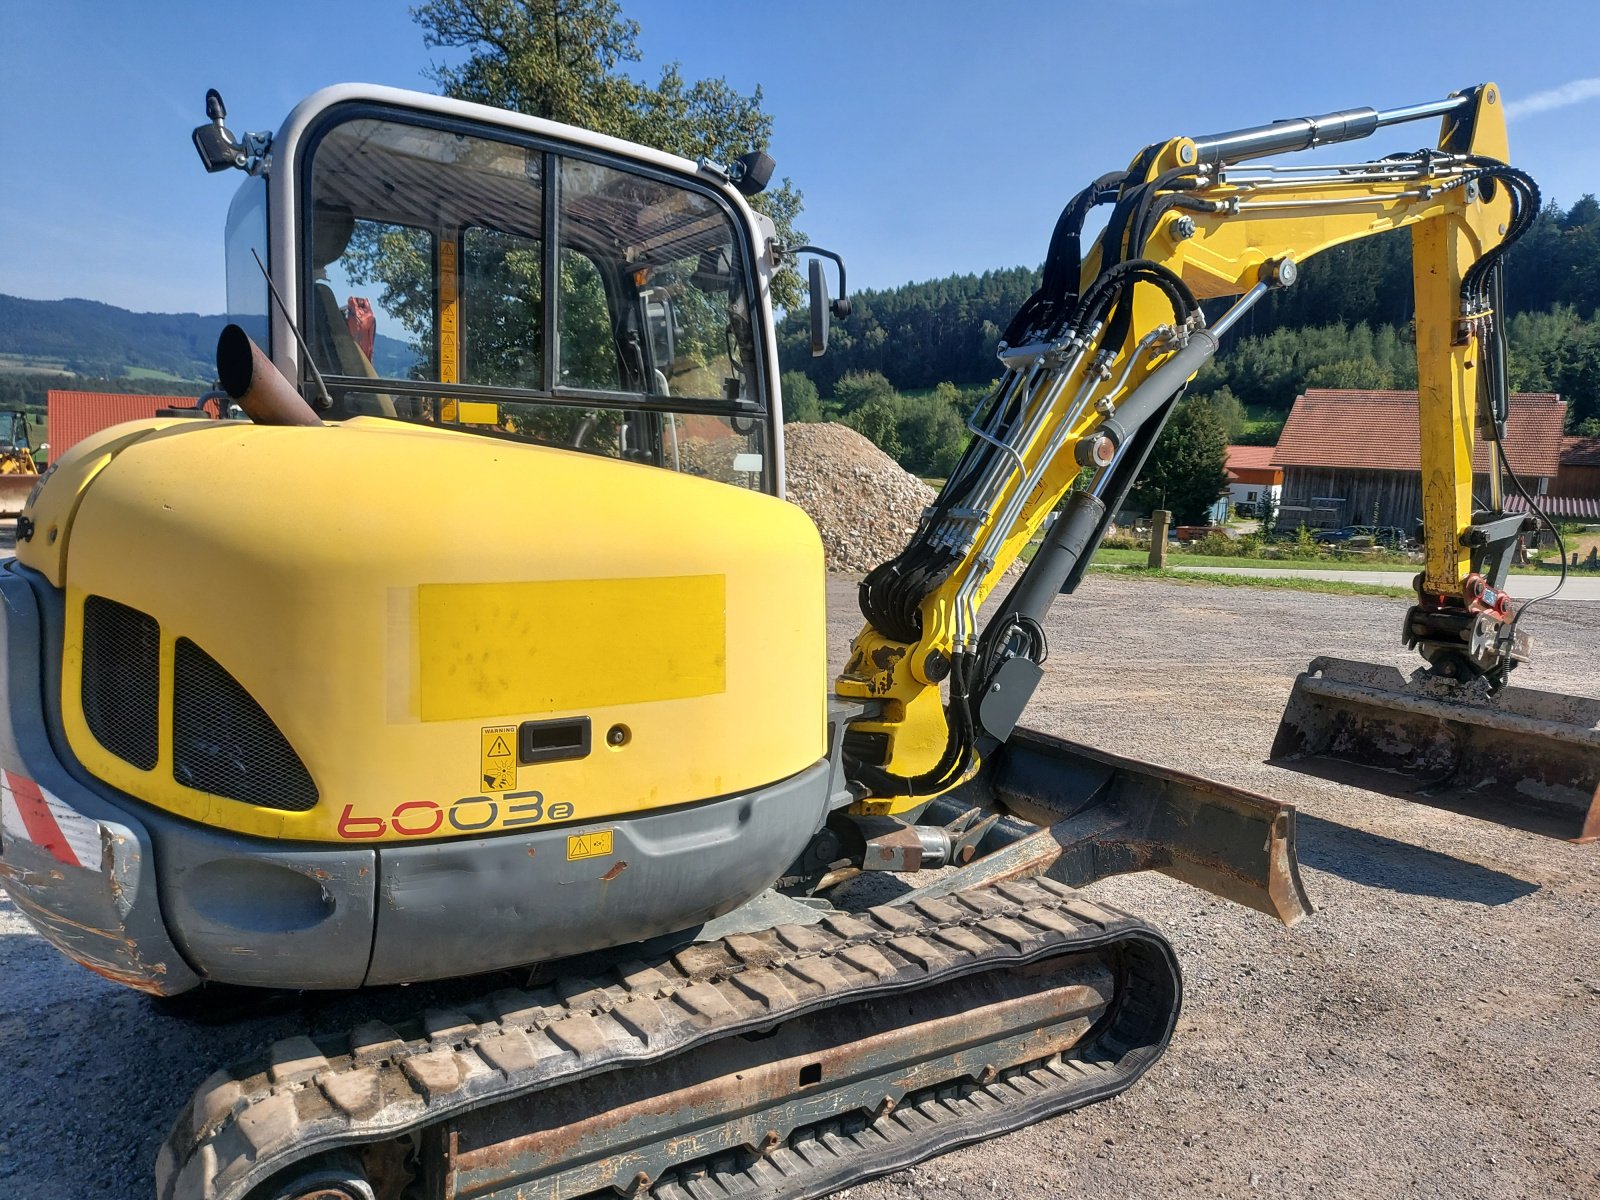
(1095, 363)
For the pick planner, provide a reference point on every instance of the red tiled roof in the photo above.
(73, 416)
(1250, 457)
(1580, 452)
(1377, 431)
(1559, 508)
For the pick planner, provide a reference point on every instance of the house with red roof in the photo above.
(1252, 478)
(1354, 457)
(72, 416)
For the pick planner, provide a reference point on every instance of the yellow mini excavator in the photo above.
(513, 653)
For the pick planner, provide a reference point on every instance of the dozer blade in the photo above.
(785, 1064)
(1523, 758)
(1084, 814)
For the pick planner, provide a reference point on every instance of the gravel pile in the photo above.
(864, 504)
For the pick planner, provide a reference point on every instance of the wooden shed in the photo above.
(1579, 476)
(1354, 458)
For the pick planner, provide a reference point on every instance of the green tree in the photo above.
(1267, 510)
(800, 399)
(1225, 405)
(564, 59)
(860, 388)
(878, 420)
(1185, 471)
(933, 435)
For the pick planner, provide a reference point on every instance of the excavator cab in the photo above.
(519, 288)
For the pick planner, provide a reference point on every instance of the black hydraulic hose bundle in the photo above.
(1525, 200)
(892, 593)
(958, 749)
(1063, 264)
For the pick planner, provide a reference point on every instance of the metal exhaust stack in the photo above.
(1523, 758)
(250, 378)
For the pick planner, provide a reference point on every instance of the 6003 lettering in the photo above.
(424, 818)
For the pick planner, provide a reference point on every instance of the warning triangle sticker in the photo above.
(499, 749)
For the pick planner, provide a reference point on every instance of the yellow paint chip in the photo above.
(499, 771)
(589, 845)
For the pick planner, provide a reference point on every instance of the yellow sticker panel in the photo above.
(512, 649)
(499, 772)
(478, 412)
(589, 845)
(449, 315)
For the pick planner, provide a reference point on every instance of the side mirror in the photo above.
(819, 310)
(217, 147)
(821, 306)
(660, 327)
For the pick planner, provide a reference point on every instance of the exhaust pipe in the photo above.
(258, 387)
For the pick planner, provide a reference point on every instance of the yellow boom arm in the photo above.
(1097, 360)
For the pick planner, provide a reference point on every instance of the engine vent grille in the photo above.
(224, 744)
(122, 679)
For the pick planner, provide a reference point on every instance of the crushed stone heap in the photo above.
(863, 502)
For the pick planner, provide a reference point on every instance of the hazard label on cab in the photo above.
(589, 845)
(499, 773)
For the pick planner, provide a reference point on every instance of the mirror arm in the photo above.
(841, 306)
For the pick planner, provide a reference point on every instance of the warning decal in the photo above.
(30, 813)
(589, 845)
(499, 771)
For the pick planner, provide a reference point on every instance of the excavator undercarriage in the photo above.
(791, 1062)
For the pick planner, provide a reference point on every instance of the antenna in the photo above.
(305, 351)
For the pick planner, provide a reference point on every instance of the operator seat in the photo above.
(332, 346)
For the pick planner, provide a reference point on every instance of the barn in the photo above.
(1579, 476)
(1354, 458)
(72, 416)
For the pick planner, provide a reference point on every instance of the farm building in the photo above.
(72, 416)
(1579, 476)
(1353, 457)
(1252, 477)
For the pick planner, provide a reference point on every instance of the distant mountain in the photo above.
(89, 338)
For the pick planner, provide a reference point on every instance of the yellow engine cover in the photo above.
(399, 600)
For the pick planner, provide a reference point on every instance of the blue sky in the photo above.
(929, 136)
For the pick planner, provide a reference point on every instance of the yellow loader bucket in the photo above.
(1523, 758)
(14, 491)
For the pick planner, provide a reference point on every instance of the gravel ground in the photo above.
(1431, 1032)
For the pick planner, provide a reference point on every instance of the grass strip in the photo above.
(1337, 587)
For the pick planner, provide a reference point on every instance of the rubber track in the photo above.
(308, 1096)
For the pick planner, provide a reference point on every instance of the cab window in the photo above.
(428, 256)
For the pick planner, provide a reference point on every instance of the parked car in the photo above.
(1381, 535)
